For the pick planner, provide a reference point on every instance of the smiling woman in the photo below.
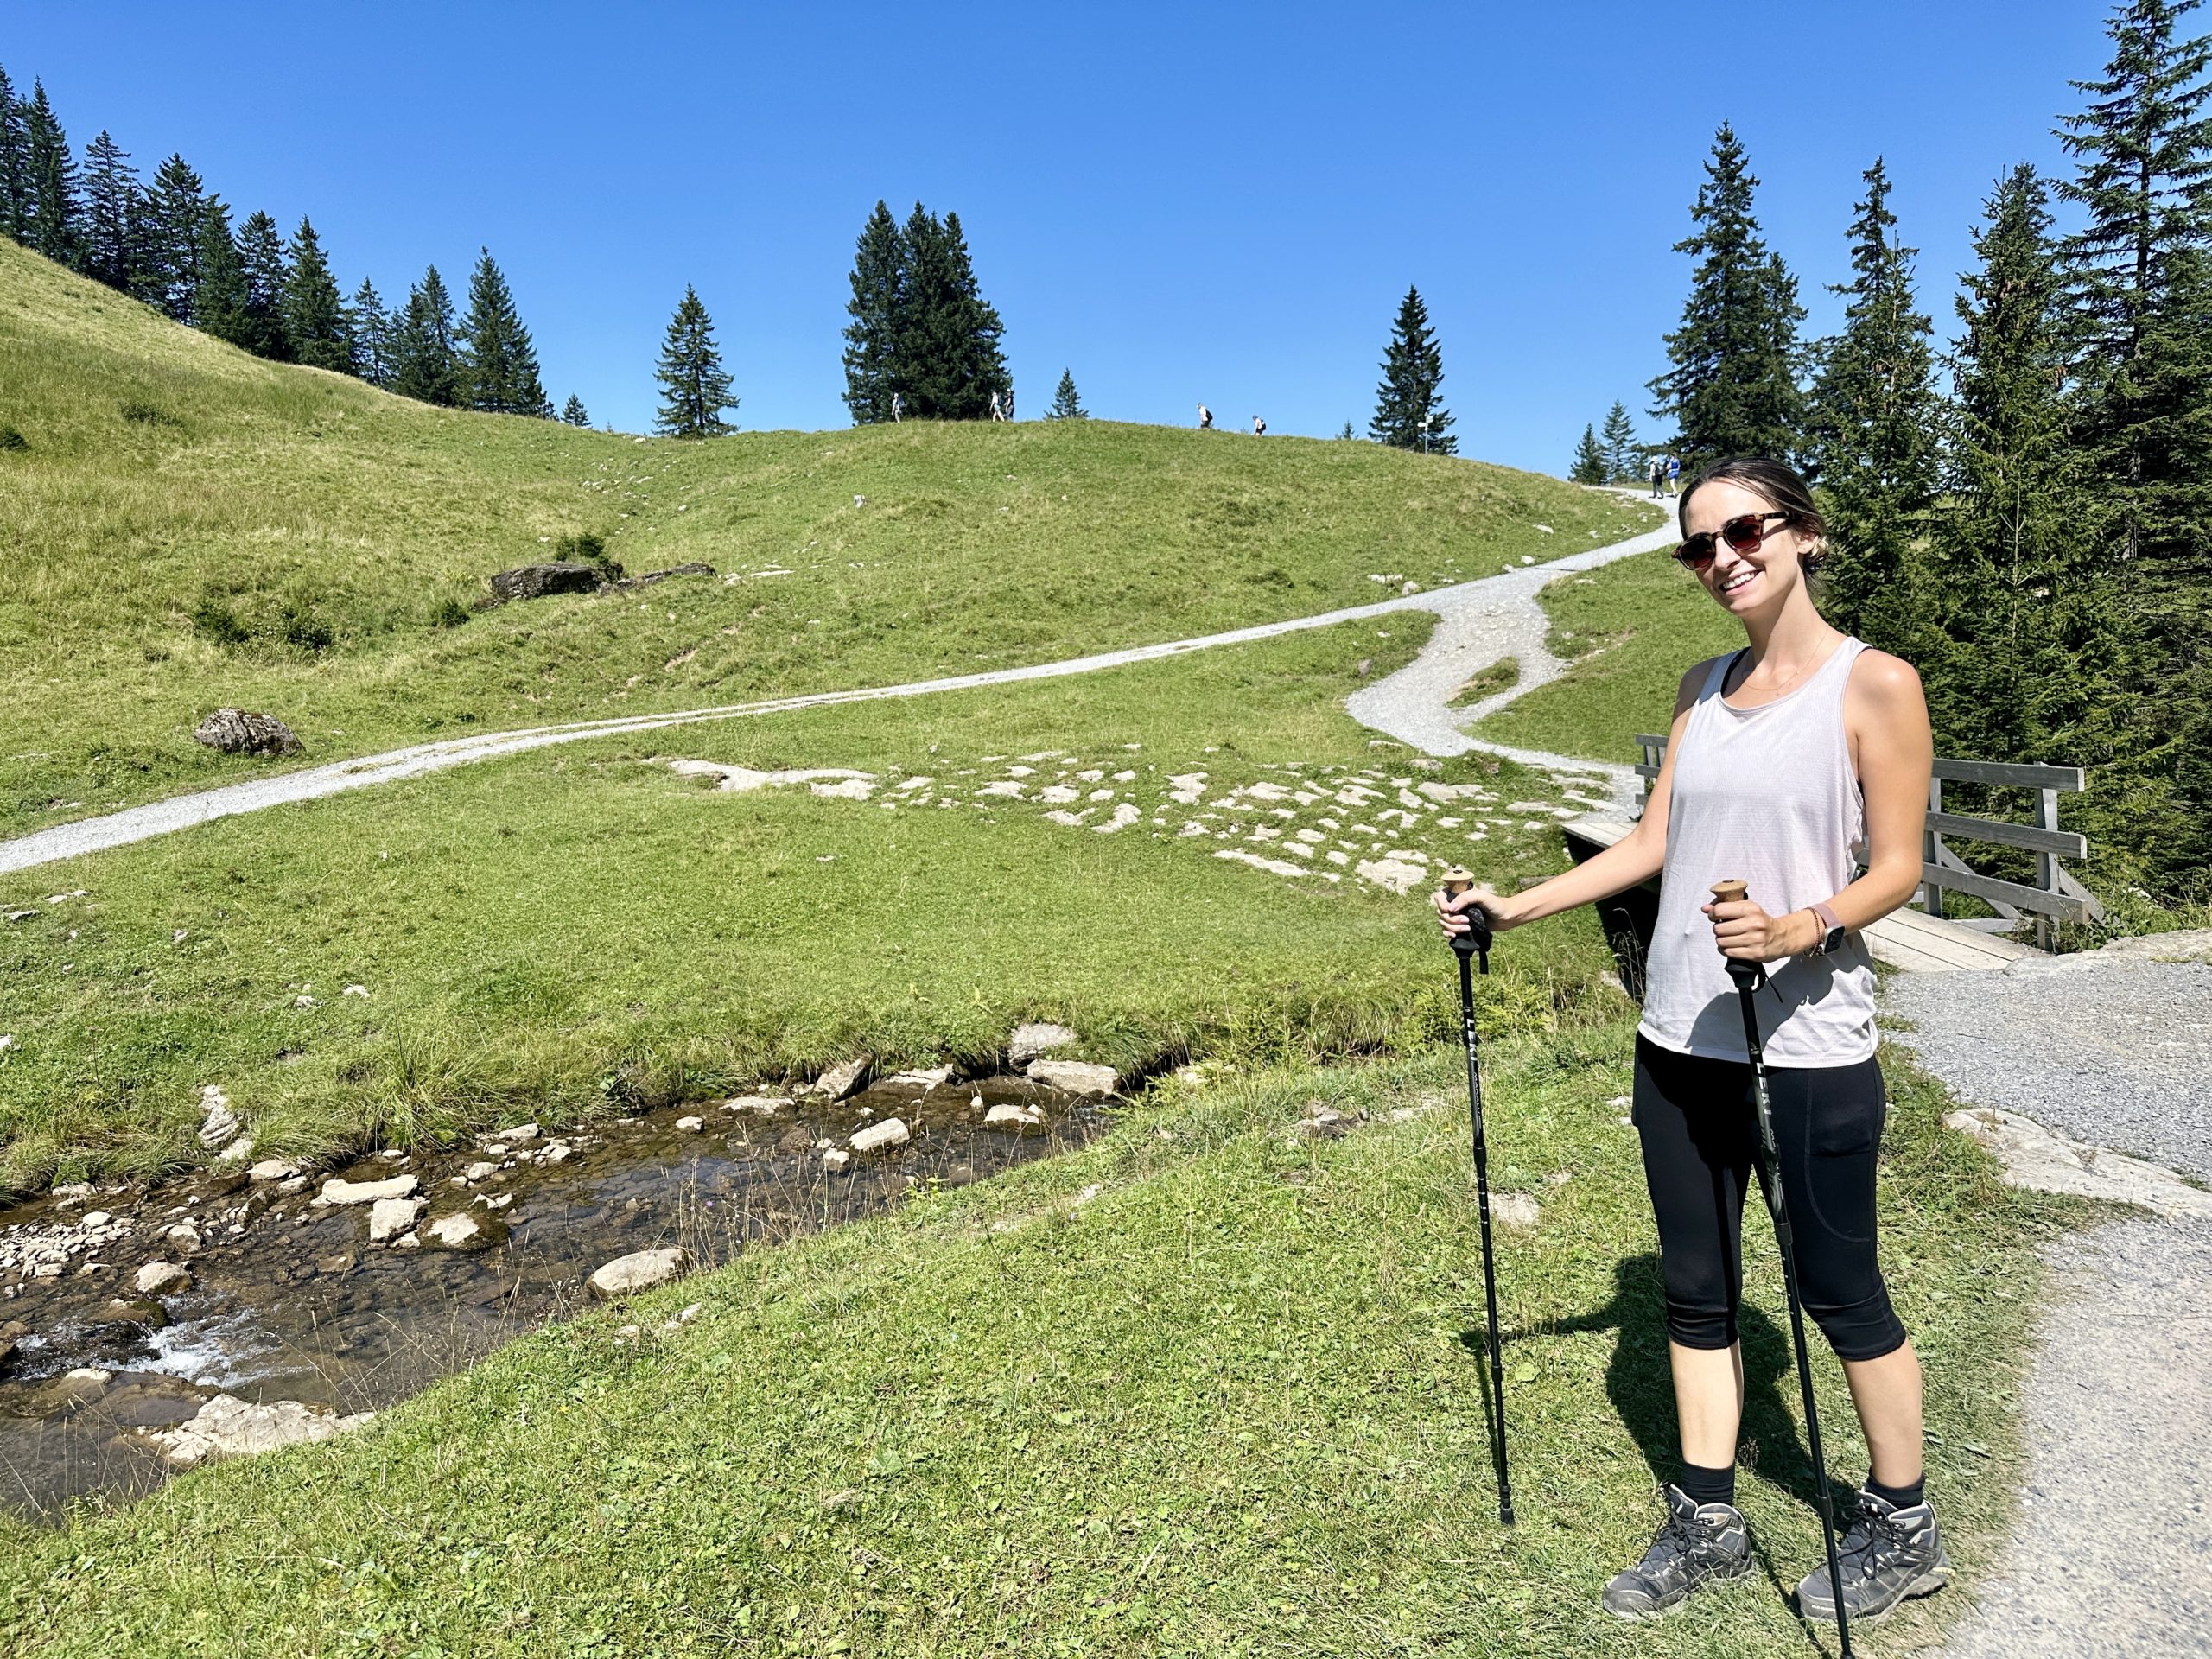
(1784, 756)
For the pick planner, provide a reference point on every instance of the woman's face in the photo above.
(1746, 582)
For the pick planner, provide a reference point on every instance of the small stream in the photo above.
(289, 1300)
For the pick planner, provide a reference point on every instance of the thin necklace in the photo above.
(1778, 691)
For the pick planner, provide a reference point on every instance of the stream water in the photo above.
(288, 1300)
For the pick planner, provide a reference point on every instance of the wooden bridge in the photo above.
(1923, 940)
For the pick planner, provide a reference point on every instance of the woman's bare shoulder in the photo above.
(1884, 681)
(1693, 679)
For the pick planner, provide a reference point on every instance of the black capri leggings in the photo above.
(1700, 1131)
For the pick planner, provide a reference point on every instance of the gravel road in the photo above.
(2114, 1539)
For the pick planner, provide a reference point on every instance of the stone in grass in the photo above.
(836, 1158)
(161, 1279)
(640, 1270)
(229, 1427)
(1517, 1212)
(235, 731)
(881, 1137)
(543, 580)
(1035, 1040)
(690, 1125)
(466, 1231)
(914, 1085)
(1076, 1078)
(1014, 1119)
(390, 1217)
(338, 1191)
(273, 1169)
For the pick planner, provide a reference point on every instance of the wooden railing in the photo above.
(2055, 894)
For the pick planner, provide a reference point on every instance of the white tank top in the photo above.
(1766, 795)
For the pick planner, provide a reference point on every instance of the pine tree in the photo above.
(221, 304)
(53, 190)
(261, 252)
(499, 364)
(1413, 372)
(878, 281)
(2142, 296)
(690, 374)
(368, 328)
(174, 210)
(15, 163)
(1733, 390)
(1870, 434)
(424, 364)
(1066, 406)
(1590, 466)
(309, 308)
(572, 411)
(2018, 590)
(981, 357)
(111, 197)
(1618, 436)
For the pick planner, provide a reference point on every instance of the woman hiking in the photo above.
(1782, 755)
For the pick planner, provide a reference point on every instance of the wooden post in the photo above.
(2047, 866)
(1933, 846)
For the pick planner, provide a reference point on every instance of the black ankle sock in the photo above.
(1708, 1486)
(1898, 1497)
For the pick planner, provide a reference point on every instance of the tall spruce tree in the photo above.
(309, 308)
(877, 307)
(261, 252)
(109, 235)
(425, 365)
(695, 389)
(981, 357)
(2143, 302)
(1618, 436)
(53, 227)
(499, 364)
(173, 209)
(221, 304)
(15, 163)
(369, 329)
(2023, 601)
(1733, 390)
(1590, 465)
(1067, 405)
(1412, 374)
(572, 411)
(1870, 434)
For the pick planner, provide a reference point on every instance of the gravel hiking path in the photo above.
(2111, 1551)
(1408, 710)
(1485, 622)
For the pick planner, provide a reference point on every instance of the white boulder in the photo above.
(1014, 1119)
(228, 1427)
(1035, 1040)
(627, 1275)
(161, 1279)
(338, 1191)
(390, 1217)
(1076, 1078)
(880, 1137)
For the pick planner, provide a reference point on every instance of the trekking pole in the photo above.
(1475, 942)
(1749, 977)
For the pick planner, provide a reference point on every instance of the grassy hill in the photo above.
(187, 526)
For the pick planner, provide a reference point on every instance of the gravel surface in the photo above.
(2114, 1536)
(179, 812)
(2116, 1052)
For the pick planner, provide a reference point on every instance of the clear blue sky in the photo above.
(1178, 202)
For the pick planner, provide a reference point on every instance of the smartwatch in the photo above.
(1832, 931)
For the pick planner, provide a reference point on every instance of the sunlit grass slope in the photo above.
(186, 527)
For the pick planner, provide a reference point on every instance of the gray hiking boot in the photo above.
(1698, 1545)
(1888, 1556)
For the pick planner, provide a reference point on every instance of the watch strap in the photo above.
(1831, 928)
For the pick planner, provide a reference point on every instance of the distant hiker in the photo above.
(897, 403)
(1259, 427)
(997, 413)
(1205, 419)
(1658, 472)
(1673, 474)
(1009, 403)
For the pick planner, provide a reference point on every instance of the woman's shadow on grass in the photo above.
(1641, 1386)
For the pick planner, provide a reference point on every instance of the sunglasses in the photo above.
(1743, 535)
